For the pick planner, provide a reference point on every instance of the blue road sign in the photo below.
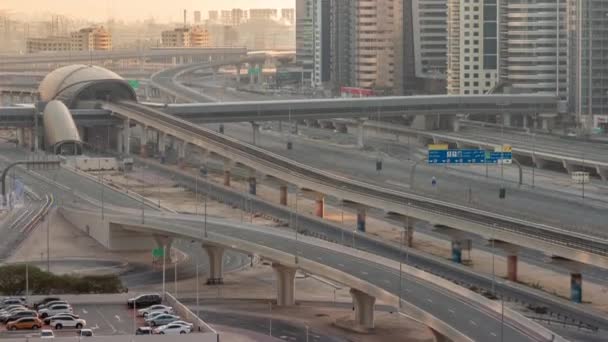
(467, 157)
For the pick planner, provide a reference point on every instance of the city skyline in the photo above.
(132, 10)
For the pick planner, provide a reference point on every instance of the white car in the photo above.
(68, 322)
(188, 324)
(54, 309)
(173, 329)
(46, 334)
(155, 308)
(86, 333)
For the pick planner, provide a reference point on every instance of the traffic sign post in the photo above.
(134, 84)
(468, 157)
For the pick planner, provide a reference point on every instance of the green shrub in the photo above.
(12, 282)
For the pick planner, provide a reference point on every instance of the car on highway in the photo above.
(173, 329)
(162, 319)
(46, 334)
(68, 322)
(145, 300)
(85, 333)
(143, 331)
(47, 320)
(54, 309)
(29, 323)
(155, 308)
(45, 301)
(21, 314)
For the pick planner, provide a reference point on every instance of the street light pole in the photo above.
(164, 268)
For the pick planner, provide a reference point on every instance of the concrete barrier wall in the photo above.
(127, 338)
(187, 315)
(91, 224)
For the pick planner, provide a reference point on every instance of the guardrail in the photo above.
(189, 316)
(549, 234)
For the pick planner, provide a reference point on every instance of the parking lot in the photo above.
(103, 319)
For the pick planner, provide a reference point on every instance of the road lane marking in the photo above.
(319, 258)
(364, 273)
(452, 311)
(117, 318)
(493, 334)
(84, 311)
(429, 300)
(473, 322)
(341, 265)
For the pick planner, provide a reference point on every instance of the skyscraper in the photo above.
(472, 66)
(587, 66)
(429, 22)
(533, 46)
(305, 37)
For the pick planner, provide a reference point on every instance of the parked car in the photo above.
(155, 308)
(5, 316)
(162, 319)
(11, 308)
(46, 334)
(85, 333)
(143, 331)
(47, 320)
(54, 309)
(153, 314)
(11, 301)
(145, 300)
(21, 314)
(44, 306)
(173, 329)
(188, 324)
(45, 301)
(68, 322)
(31, 323)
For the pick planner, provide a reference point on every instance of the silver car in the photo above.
(162, 320)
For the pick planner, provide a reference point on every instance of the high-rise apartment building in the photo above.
(288, 15)
(226, 17)
(322, 42)
(238, 16)
(533, 46)
(214, 16)
(263, 14)
(91, 39)
(472, 65)
(195, 37)
(197, 17)
(341, 39)
(429, 28)
(378, 44)
(587, 66)
(305, 37)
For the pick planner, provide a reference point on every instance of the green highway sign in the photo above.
(158, 252)
(134, 84)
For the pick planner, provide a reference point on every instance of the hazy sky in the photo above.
(163, 10)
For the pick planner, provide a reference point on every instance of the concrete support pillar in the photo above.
(253, 187)
(238, 74)
(539, 163)
(126, 132)
(525, 121)
(21, 136)
(227, 172)
(361, 219)
(165, 242)
(506, 119)
(182, 148)
(286, 285)
(456, 125)
(143, 142)
(255, 132)
(512, 267)
(576, 287)
(216, 264)
(457, 251)
(360, 141)
(320, 206)
(569, 167)
(364, 309)
(120, 145)
(283, 195)
(603, 173)
(162, 144)
(545, 123)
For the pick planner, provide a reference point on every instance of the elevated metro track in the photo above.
(551, 240)
(79, 57)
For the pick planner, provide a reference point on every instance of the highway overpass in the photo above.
(552, 240)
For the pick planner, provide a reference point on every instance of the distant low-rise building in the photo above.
(186, 37)
(86, 39)
(34, 45)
